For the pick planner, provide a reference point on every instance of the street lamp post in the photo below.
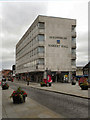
(27, 78)
(57, 74)
(56, 77)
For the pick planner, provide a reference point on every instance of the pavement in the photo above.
(31, 108)
(62, 88)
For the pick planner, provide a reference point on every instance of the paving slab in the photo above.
(29, 109)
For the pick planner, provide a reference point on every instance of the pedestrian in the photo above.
(28, 79)
(0, 82)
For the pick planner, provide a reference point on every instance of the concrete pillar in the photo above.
(56, 78)
(45, 75)
(36, 77)
(70, 76)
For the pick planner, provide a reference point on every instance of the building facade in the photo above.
(86, 71)
(48, 44)
(79, 71)
(6, 73)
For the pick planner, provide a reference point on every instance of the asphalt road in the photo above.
(68, 106)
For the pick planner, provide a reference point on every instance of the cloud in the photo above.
(82, 48)
(77, 10)
(21, 14)
(17, 17)
(7, 64)
(9, 56)
(82, 42)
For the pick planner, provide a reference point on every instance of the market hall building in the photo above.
(49, 45)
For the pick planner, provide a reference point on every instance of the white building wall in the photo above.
(56, 58)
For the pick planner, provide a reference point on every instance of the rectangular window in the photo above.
(41, 25)
(73, 62)
(73, 39)
(73, 27)
(41, 61)
(73, 51)
(41, 37)
(41, 49)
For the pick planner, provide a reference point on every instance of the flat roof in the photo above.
(55, 17)
(36, 19)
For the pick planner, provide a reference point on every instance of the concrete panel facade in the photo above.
(49, 43)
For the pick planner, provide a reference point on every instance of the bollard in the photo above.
(27, 82)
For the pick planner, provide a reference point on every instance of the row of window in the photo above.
(37, 39)
(37, 50)
(28, 35)
(33, 52)
(27, 56)
(37, 62)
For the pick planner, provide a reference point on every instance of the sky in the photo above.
(17, 16)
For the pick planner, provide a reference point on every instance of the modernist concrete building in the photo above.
(48, 44)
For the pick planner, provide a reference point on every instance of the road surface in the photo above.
(68, 106)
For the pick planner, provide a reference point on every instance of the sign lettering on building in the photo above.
(58, 42)
(53, 45)
(57, 37)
